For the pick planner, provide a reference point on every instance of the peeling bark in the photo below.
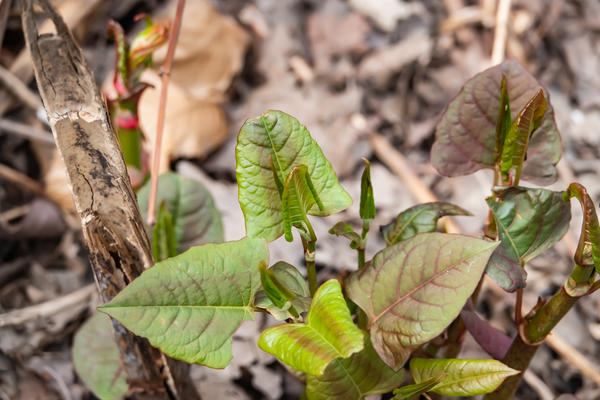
(112, 226)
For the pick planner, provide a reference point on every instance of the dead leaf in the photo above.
(210, 51)
(193, 127)
(334, 35)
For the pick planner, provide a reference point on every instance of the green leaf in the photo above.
(345, 230)
(463, 377)
(408, 391)
(277, 140)
(97, 360)
(328, 333)
(517, 139)
(275, 290)
(367, 200)
(588, 248)
(293, 281)
(189, 306)
(196, 220)
(418, 219)
(297, 198)
(413, 290)
(164, 243)
(466, 134)
(353, 378)
(504, 121)
(529, 221)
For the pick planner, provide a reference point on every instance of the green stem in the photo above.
(311, 269)
(534, 329)
(363, 243)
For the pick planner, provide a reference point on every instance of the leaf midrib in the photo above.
(107, 306)
(264, 122)
(420, 286)
(472, 378)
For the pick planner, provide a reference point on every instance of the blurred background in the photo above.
(368, 78)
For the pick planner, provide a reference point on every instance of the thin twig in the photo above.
(20, 179)
(538, 386)
(19, 89)
(162, 106)
(48, 308)
(24, 130)
(575, 358)
(501, 31)
(397, 163)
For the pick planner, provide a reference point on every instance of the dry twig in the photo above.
(162, 107)
(48, 308)
(21, 179)
(19, 89)
(27, 131)
(500, 32)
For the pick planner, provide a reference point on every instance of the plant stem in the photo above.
(160, 124)
(534, 329)
(363, 243)
(311, 269)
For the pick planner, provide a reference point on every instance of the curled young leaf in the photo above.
(328, 333)
(529, 221)
(277, 140)
(189, 306)
(517, 140)
(297, 198)
(354, 378)
(345, 230)
(491, 339)
(413, 290)
(408, 391)
(196, 220)
(97, 360)
(418, 219)
(295, 292)
(466, 134)
(367, 200)
(462, 377)
(588, 248)
(504, 121)
(164, 242)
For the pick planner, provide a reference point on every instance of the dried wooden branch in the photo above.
(111, 222)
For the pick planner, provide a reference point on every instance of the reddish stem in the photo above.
(166, 76)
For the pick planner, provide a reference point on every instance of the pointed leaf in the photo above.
(529, 221)
(297, 198)
(275, 290)
(408, 391)
(293, 281)
(195, 218)
(504, 120)
(278, 138)
(463, 377)
(466, 134)
(588, 248)
(413, 290)
(345, 230)
(491, 339)
(164, 243)
(517, 139)
(418, 219)
(97, 360)
(353, 378)
(189, 306)
(328, 333)
(367, 200)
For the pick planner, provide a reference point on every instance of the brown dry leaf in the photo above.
(210, 51)
(335, 35)
(193, 127)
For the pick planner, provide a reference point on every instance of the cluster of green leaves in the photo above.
(192, 301)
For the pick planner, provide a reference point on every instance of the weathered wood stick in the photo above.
(112, 226)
